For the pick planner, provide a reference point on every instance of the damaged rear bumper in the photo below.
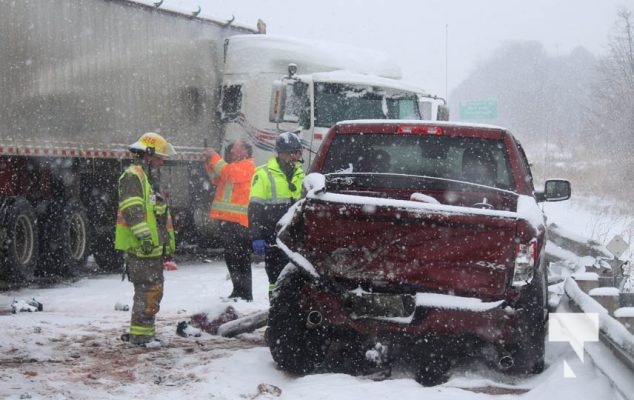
(383, 314)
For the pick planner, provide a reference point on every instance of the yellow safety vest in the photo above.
(269, 185)
(126, 236)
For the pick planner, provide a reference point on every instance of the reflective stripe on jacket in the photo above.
(233, 185)
(142, 212)
(271, 196)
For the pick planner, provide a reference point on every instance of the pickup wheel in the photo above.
(433, 363)
(19, 244)
(529, 353)
(294, 347)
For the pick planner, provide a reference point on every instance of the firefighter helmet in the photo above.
(287, 142)
(153, 144)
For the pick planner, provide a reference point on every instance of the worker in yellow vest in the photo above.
(145, 233)
(232, 178)
(275, 186)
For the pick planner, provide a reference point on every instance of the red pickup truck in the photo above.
(416, 241)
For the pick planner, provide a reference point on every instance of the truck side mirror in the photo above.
(278, 102)
(443, 113)
(290, 103)
(554, 190)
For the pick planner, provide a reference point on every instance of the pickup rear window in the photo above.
(474, 160)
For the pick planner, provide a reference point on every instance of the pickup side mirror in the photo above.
(554, 190)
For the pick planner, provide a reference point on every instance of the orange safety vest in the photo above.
(233, 186)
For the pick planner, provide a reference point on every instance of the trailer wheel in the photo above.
(66, 241)
(105, 255)
(20, 241)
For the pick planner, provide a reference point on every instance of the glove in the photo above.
(147, 246)
(258, 247)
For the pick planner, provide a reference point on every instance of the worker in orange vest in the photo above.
(230, 207)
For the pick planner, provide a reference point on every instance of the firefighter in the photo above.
(229, 207)
(275, 186)
(144, 232)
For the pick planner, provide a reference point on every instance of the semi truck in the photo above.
(80, 80)
(324, 83)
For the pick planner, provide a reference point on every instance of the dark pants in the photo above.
(237, 251)
(274, 262)
(146, 274)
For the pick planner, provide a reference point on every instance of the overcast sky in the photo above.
(416, 32)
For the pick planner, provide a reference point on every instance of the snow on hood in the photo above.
(416, 206)
(527, 207)
(413, 206)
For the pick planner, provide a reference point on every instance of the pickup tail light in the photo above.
(524, 263)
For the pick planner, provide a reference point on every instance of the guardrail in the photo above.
(613, 331)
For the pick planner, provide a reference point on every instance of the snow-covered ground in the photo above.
(594, 218)
(71, 350)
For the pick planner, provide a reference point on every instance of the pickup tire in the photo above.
(529, 352)
(433, 362)
(19, 242)
(294, 347)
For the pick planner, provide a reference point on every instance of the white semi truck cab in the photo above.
(308, 87)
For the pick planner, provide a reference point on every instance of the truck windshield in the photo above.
(336, 102)
(467, 159)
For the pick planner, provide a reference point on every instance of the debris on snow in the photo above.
(185, 329)
(210, 323)
(244, 324)
(377, 355)
(26, 306)
(265, 388)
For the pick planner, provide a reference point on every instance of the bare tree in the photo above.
(614, 92)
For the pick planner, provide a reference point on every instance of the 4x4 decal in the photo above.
(491, 265)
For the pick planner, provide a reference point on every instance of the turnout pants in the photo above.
(146, 274)
(237, 252)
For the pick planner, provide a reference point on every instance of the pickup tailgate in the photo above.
(435, 248)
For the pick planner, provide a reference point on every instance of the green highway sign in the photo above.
(479, 110)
